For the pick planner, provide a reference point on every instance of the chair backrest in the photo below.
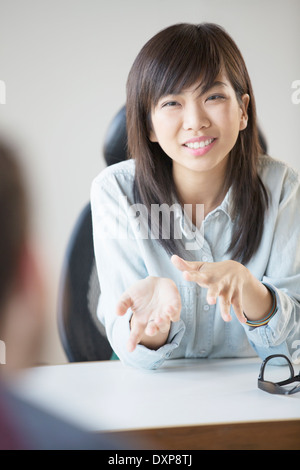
(82, 335)
(115, 142)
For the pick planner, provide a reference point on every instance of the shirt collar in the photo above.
(226, 206)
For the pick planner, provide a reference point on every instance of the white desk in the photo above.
(186, 404)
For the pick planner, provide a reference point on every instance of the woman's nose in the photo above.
(195, 118)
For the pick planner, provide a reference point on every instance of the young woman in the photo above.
(197, 234)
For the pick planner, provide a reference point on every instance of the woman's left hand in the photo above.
(225, 280)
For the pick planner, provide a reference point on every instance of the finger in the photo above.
(238, 308)
(173, 311)
(159, 325)
(161, 322)
(163, 325)
(124, 303)
(212, 294)
(136, 334)
(183, 265)
(212, 298)
(195, 276)
(152, 328)
(225, 305)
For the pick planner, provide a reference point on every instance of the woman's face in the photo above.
(197, 130)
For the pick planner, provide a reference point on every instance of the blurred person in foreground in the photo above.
(22, 323)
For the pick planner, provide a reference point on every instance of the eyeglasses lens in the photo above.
(277, 370)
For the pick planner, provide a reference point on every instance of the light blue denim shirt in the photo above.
(125, 253)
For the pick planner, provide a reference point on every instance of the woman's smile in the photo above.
(200, 145)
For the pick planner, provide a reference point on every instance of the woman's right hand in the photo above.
(154, 302)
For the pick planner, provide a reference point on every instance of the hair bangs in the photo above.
(182, 62)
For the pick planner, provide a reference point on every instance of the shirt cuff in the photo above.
(269, 335)
(142, 357)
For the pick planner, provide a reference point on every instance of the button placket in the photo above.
(204, 328)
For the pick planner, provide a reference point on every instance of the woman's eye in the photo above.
(170, 104)
(215, 97)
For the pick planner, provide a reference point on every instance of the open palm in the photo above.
(154, 302)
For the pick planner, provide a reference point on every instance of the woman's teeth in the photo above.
(197, 145)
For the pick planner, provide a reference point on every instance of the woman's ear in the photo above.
(244, 114)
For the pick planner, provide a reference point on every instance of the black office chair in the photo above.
(83, 336)
(115, 142)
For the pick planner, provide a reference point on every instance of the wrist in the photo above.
(263, 306)
(268, 317)
(257, 298)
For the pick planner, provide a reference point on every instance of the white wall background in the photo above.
(65, 63)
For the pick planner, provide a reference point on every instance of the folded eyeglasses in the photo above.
(268, 376)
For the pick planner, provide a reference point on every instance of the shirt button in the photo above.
(206, 307)
(204, 258)
(203, 352)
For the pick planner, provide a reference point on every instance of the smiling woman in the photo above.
(193, 142)
(204, 59)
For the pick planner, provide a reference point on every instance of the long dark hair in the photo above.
(175, 59)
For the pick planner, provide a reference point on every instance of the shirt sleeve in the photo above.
(120, 263)
(281, 335)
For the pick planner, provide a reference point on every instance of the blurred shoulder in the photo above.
(123, 171)
(274, 171)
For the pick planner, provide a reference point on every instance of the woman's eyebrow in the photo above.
(209, 86)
